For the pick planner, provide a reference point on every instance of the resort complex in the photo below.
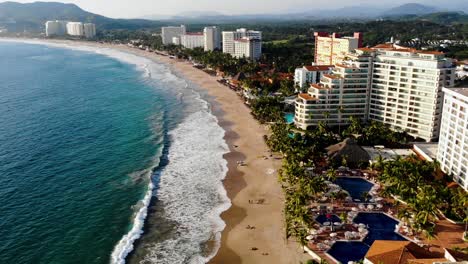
(348, 197)
(76, 29)
(368, 141)
(398, 86)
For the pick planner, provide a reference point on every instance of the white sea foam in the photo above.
(190, 185)
(191, 190)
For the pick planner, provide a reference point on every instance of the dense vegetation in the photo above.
(420, 185)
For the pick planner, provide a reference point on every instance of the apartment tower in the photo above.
(332, 49)
(406, 89)
(212, 38)
(168, 33)
(230, 37)
(453, 141)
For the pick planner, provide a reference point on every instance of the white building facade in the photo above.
(310, 74)
(332, 49)
(453, 141)
(212, 38)
(75, 29)
(230, 37)
(192, 40)
(89, 30)
(338, 96)
(248, 47)
(168, 33)
(56, 28)
(406, 90)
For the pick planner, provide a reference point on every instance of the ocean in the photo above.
(105, 157)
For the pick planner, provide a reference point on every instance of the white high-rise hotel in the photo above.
(78, 29)
(248, 43)
(56, 28)
(192, 40)
(406, 89)
(75, 29)
(403, 89)
(212, 38)
(453, 141)
(169, 33)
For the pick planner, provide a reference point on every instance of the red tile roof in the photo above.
(307, 97)
(318, 67)
(398, 252)
(331, 76)
(318, 86)
(366, 49)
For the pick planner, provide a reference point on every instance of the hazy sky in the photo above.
(139, 8)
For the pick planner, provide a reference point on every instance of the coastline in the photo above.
(256, 181)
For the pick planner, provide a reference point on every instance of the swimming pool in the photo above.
(348, 251)
(323, 218)
(381, 227)
(356, 187)
(289, 117)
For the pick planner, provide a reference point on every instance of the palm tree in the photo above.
(331, 174)
(340, 110)
(326, 114)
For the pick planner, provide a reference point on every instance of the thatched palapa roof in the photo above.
(348, 149)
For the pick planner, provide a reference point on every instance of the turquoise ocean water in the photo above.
(98, 152)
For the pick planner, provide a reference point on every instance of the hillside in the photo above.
(32, 16)
(410, 9)
(444, 18)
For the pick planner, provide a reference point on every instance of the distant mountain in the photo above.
(358, 12)
(411, 9)
(32, 16)
(440, 17)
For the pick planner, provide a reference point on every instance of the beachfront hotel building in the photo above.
(453, 141)
(406, 89)
(310, 74)
(89, 30)
(332, 49)
(402, 88)
(168, 33)
(212, 39)
(75, 29)
(338, 96)
(248, 47)
(230, 38)
(56, 28)
(192, 40)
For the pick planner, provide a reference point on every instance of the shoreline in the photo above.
(257, 181)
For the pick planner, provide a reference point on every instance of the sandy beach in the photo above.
(256, 182)
(256, 195)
